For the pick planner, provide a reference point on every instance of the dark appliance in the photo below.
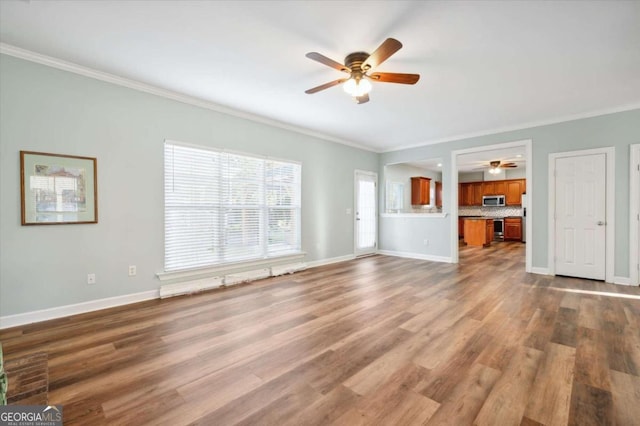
(498, 229)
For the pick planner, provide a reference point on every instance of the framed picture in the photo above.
(58, 189)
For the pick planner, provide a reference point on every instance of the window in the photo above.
(223, 207)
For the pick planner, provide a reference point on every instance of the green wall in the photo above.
(48, 110)
(617, 130)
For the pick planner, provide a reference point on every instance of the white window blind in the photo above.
(223, 207)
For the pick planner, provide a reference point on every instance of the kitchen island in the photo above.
(478, 231)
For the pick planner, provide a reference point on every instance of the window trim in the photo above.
(266, 259)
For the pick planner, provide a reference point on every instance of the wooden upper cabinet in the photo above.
(465, 194)
(477, 193)
(488, 188)
(420, 191)
(500, 187)
(471, 193)
(468, 194)
(515, 189)
(496, 187)
(439, 194)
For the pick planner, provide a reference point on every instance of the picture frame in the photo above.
(57, 189)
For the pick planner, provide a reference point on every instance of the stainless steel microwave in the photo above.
(493, 201)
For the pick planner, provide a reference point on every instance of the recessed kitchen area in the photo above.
(492, 197)
(414, 187)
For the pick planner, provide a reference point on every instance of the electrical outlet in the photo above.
(91, 278)
(132, 270)
(425, 242)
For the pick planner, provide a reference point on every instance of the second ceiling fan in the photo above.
(495, 166)
(358, 65)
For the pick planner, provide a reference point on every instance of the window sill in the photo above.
(227, 267)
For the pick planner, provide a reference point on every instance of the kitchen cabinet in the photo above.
(420, 191)
(515, 189)
(439, 194)
(488, 188)
(478, 232)
(496, 187)
(471, 193)
(466, 189)
(460, 228)
(513, 229)
(477, 193)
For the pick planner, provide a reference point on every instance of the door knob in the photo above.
(601, 223)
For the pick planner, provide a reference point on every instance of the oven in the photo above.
(498, 229)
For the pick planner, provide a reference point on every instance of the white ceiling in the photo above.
(479, 161)
(485, 66)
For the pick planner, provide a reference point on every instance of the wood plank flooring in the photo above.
(379, 340)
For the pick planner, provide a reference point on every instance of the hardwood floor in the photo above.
(379, 340)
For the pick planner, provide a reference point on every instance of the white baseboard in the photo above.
(622, 280)
(78, 308)
(322, 262)
(539, 271)
(616, 280)
(420, 256)
(9, 321)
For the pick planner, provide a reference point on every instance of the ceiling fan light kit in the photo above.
(357, 87)
(495, 166)
(358, 64)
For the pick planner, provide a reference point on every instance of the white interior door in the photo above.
(580, 216)
(366, 213)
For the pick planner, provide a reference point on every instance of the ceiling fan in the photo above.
(358, 65)
(495, 166)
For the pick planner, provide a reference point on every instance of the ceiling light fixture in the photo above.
(357, 87)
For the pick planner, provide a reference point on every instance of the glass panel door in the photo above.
(366, 224)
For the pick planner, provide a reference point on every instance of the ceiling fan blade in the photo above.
(325, 86)
(328, 62)
(391, 77)
(362, 99)
(508, 165)
(382, 53)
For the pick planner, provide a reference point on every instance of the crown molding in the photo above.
(523, 126)
(60, 64)
(52, 62)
